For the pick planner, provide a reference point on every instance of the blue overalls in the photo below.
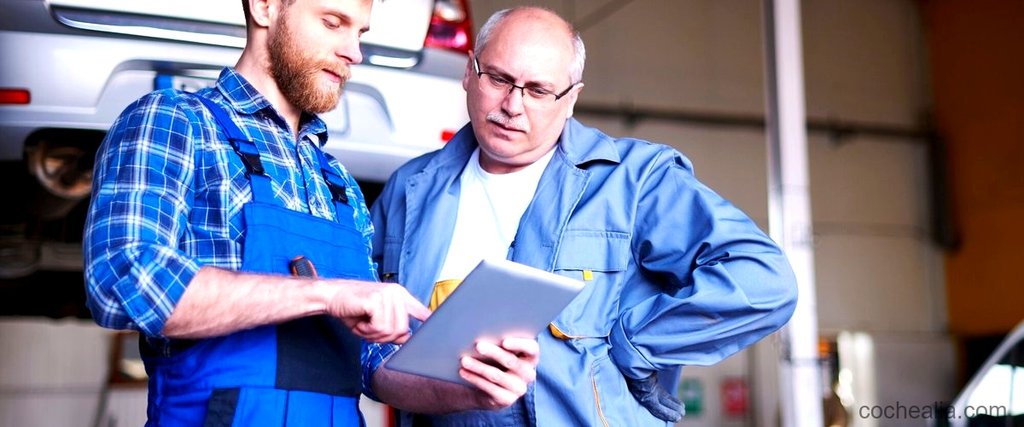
(303, 372)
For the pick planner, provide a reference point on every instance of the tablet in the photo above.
(498, 299)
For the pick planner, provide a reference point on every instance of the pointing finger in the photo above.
(415, 308)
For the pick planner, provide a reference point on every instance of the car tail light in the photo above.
(14, 96)
(447, 135)
(451, 26)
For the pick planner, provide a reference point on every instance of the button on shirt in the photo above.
(168, 193)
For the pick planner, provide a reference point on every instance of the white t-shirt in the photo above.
(490, 206)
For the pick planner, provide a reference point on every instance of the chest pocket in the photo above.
(392, 253)
(600, 259)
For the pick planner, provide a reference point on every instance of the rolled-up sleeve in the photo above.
(134, 270)
(710, 282)
(372, 357)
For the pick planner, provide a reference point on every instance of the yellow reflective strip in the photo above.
(597, 400)
(588, 275)
(442, 290)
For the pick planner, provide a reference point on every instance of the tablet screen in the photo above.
(498, 299)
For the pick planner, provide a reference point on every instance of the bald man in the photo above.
(675, 275)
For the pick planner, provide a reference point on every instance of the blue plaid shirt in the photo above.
(374, 355)
(168, 193)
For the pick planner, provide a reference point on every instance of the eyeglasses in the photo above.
(531, 93)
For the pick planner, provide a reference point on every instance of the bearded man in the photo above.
(208, 211)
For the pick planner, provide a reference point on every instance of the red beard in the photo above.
(299, 76)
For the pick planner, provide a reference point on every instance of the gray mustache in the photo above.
(504, 120)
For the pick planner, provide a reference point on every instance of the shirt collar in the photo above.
(580, 145)
(245, 99)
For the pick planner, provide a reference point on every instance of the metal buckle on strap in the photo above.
(252, 163)
(338, 192)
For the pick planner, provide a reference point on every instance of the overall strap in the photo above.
(336, 184)
(246, 149)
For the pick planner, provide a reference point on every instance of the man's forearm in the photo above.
(218, 302)
(422, 395)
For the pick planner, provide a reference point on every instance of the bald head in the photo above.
(524, 23)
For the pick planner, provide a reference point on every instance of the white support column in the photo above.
(789, 209)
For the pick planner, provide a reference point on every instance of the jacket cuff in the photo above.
(629, 359)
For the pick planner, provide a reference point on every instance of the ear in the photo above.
(571, 102)
(468, 75)
(261, 12)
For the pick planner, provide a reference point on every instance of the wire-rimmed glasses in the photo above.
(532, 94)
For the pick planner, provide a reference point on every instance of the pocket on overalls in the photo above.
(261, 406)
(254, 406)
(220, 409)
(598, 258)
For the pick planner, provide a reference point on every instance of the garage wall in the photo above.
(51, 372)
(978, 61)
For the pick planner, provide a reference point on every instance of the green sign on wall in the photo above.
(691, 392)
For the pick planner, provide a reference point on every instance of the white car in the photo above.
(995, 395)
(69, 67)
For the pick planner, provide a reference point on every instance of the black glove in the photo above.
(655, 398)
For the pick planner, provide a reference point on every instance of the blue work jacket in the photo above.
(675, 275)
